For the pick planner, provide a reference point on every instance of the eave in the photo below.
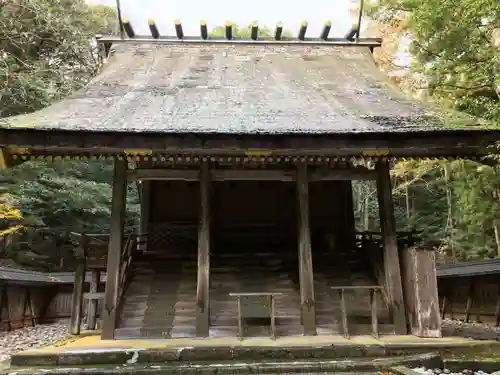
(444, 143)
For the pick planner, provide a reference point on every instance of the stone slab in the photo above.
(366, 366)
(91, 350)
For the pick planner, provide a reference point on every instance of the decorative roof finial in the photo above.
(178, 29)
(153, 29)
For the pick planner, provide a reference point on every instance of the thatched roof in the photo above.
(474, 268)
(244, 89)
(20, 276)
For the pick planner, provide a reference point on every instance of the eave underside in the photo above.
(27, 143)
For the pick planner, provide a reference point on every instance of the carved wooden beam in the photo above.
(358, 173)
(6, 160)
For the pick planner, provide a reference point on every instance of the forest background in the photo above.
(48, 52)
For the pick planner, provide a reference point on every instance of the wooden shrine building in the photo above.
(244, 152)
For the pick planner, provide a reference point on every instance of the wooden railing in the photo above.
(373, 289)
(134, 245)
(128, 252)
(93, 247)
(92, 250)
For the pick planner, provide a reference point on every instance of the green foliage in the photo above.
(9, 218)
(47, 50)
(463, 227)
(244, 32)
(455, 44)
(67, 195)
(455, 47)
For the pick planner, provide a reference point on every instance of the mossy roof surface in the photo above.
(237, 89)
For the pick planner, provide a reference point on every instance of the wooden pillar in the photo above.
(114, 249)
(203, 281)
(145, 211)
(77, 297)
(391, 253)
(92, 304)
(305, 255)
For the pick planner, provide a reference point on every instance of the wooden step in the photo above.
(160, 300)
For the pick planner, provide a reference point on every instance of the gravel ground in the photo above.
(459, 323)
(478, 331)
(437, 371)
(26, 338)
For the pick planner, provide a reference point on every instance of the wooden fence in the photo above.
(30, 298)
(60, 305)
(471, 291)
(22, 305)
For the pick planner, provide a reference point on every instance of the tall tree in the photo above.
(244, 32)
(455, 47)
(47, 50)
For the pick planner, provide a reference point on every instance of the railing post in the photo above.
(78, 285)
(92, 304)
(343, 312)
(373, 307)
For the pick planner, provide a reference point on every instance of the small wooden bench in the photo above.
(373, 289)
(272, 311)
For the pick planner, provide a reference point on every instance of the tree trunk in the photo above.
(496, 228)
(366, 212)
(496, 221)
(450, 223)
(407, 200)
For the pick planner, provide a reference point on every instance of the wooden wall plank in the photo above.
(421, 292)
